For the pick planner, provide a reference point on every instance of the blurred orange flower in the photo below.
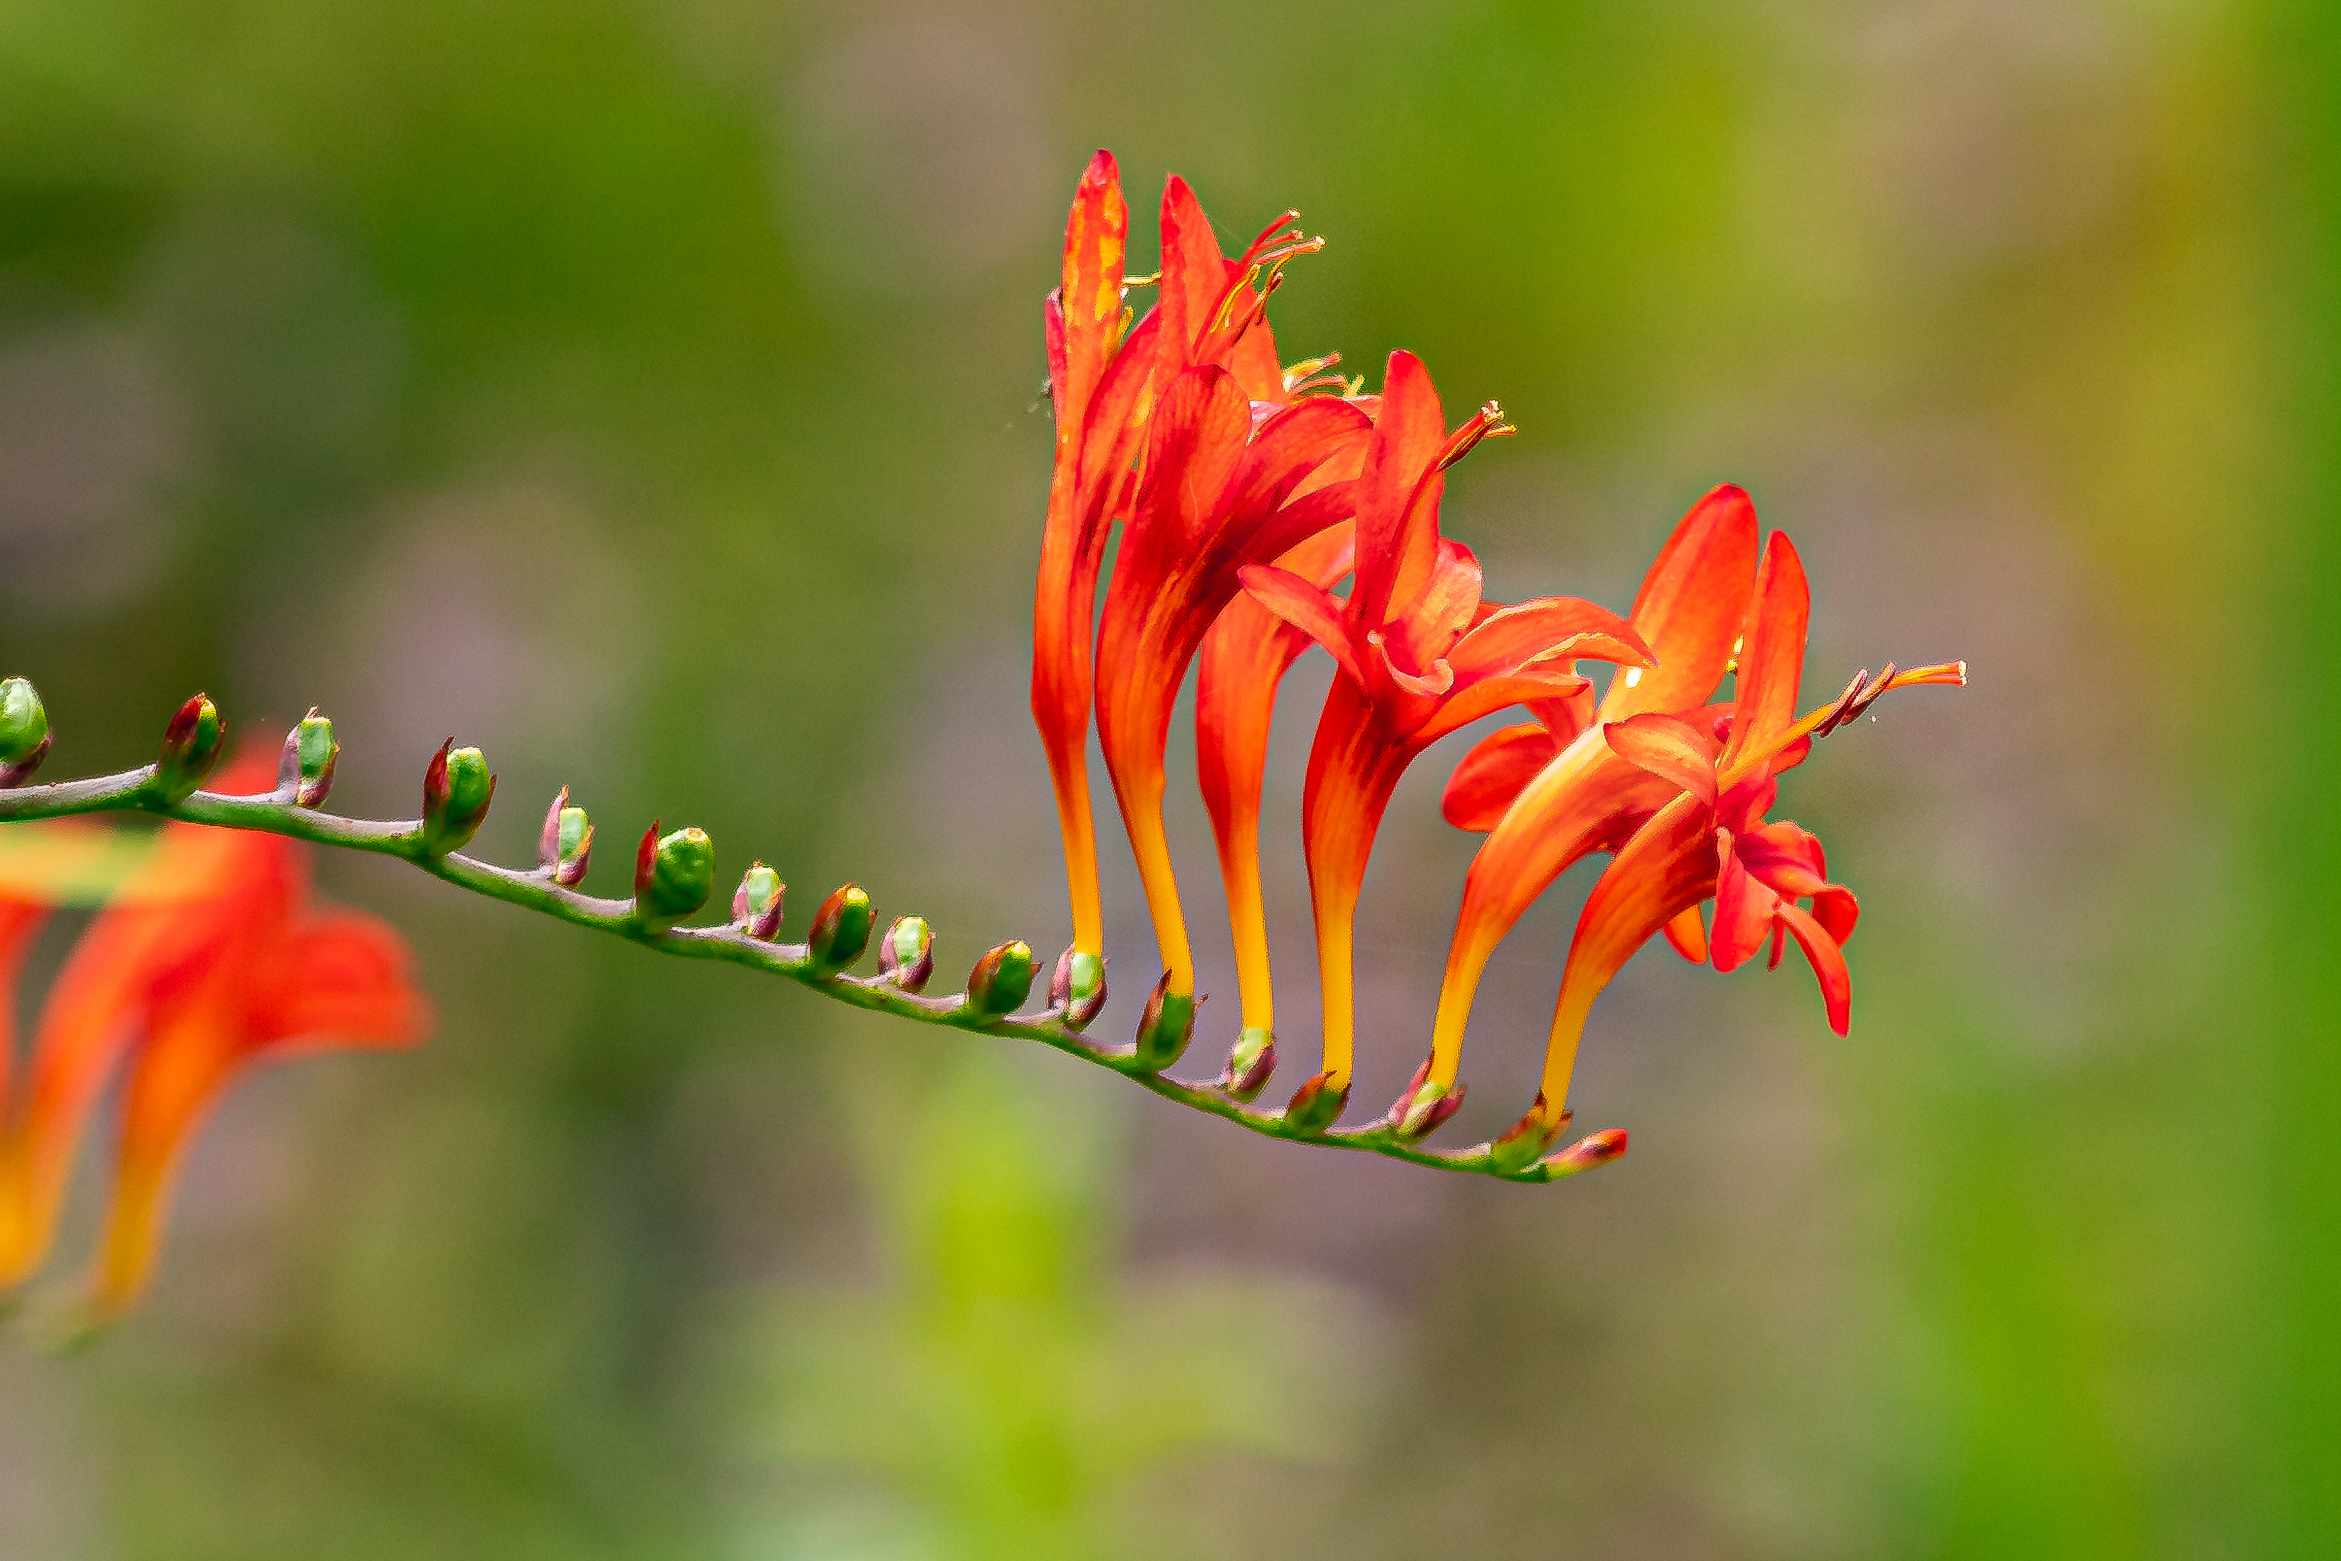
(208, 958)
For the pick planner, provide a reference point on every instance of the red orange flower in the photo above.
(1703, 840)
(1420, 655)
(210, 960)
(1107, 380)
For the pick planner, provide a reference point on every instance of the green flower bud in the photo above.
(1316, 1105)
(191, 746)
(310, 753)
(24, 731)
(907, 953)
(457, 789)
(1166, 1026)
(841, 928)
(1422, 1106)
(673, 875)
(1527, 1140)
(565, 845)
(1001, 980)
(1077, 987)
(756, 903)
(1249, 1065)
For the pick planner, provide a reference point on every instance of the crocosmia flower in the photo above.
(1701, 835)
(1420, 655)
(1109, 381)
(208, 960)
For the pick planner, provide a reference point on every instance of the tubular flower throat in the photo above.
(1247, 493)
(206, 960)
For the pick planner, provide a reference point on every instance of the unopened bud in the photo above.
(1249, 1065)
(1165, 1027)
(456, 791)
(907, 953)
(1001, 979)
(1317, 1104)
(564, 847)
(841, 928)
(1423, 1106)
(306, 768)
(1594, 1149)
(1527, 1140)
(1077, 987)
(191, 745)
(756, 902)
(673, 875)
(24, 731)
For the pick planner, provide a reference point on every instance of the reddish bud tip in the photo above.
(673, 875)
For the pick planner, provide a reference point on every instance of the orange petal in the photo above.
(1773, 657)
(1688, 934)
(1828, 961)
(333, 982)
(1194, 272)
(1548, 628)
(1668, 867)
(1397, 538)
(1308, 607)
(1743, 909)
(1493, 773)
(1670, 748)
(1691, 606)
(1354, 767)
(1584, 800)
(1089, 312)
(1532, 685)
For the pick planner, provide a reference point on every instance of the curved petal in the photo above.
(1194, 271)
(1691, 606)
(1533, 685)
(1396, 537)
(1308, 607)
(1493, 773)
(1688, 934)
(1353, 769)
(1672, 749)
(1743, 909)
(1548, 627)
(1828, 962)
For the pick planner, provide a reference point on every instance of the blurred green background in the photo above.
(645, 391)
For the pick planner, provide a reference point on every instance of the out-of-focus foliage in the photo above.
(645, 393)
